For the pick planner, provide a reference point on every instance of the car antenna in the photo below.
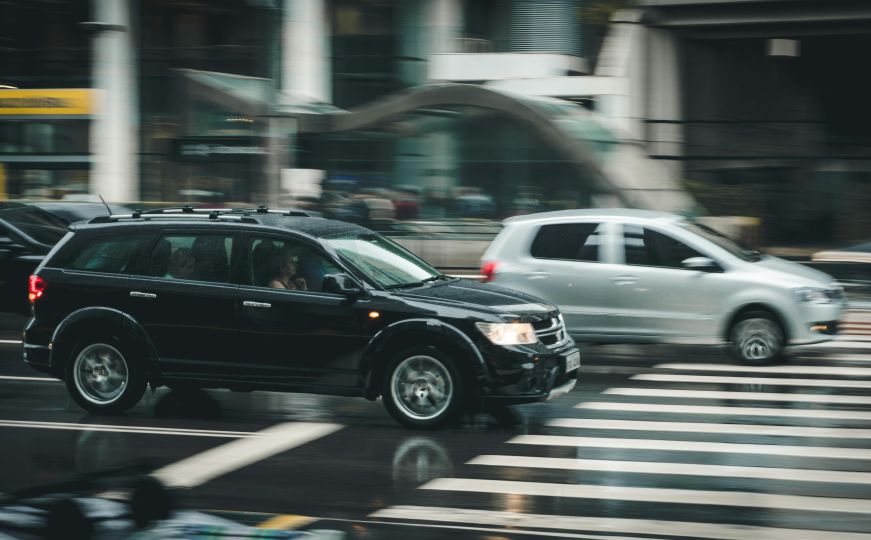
(106, 205)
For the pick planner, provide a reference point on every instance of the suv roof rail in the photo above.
(147, 216)
(188, 211)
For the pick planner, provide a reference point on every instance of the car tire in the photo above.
(422, 388)
(103, 376)
(757, 337)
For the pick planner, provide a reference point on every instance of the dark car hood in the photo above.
(482, 297)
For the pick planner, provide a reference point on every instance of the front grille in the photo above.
(551, 332)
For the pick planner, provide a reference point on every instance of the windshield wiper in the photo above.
(430, 279)
(439, 277)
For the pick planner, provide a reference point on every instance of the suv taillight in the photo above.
(35, 288)
(488, 271)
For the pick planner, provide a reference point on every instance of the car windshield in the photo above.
(38, 224)
(742, 252)
(382, 260)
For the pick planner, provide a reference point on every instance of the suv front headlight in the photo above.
(813, 296)
(508, 333)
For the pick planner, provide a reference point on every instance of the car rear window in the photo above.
(108, 254)
(568, 241)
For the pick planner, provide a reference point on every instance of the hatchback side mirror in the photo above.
(341, 284)
(702, 264)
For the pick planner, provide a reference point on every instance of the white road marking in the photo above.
(36, 379)
(822, 452)
(647, 408)
(234, 455)
(798, 370)
(774, 381)
(10, 342)
(752, 396)
(710, 427)
(854, 343)
(126, 429)
(842, 358)
(513, 521)
(682, 469)
(798, 503)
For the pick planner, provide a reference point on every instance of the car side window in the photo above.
(568, 241)
(647, 247)
(281, 264)
(204, 257)
(110, 255)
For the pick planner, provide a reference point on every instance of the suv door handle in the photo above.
(137, 294)
(249, 303)
(624, 280)
(537, 274)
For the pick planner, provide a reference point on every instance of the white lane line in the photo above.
(798, 370)
(751, 396)
(711, 427)
(682, 469)
(799, 503)
(842, 344)
(648, 408)
(37, 379)
(840, 358)
(821, 452)
(714, 531)
(205, 466)
(10, 342)
(774, 381)
(150, 430)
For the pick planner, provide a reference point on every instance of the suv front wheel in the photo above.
(103, 379)
(757, 338)
(422, 388)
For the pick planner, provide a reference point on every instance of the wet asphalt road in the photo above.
(655, 442)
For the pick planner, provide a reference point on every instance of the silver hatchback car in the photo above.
(638, 276)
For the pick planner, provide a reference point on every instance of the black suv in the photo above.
(265, 300)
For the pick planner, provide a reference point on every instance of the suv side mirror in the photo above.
(702, 264)
(341, 284)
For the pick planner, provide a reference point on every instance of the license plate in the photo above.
(573, 361)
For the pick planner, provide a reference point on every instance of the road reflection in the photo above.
(418, 460)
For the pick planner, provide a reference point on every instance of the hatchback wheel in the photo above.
(757, 338)
(422, 388)
(102, 378)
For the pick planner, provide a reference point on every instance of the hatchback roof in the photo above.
(597, 212)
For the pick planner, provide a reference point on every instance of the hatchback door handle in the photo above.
(537, 274)
(137, 294)
(624, 280)
(249, 303)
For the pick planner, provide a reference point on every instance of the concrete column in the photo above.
(115, 123)
(664, 99)
(306, 67)
(445, 20)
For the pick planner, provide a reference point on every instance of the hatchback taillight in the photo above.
(488, 271)
(35, 288)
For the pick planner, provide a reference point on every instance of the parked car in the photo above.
(639, 276)
(27, 233)
(367, 317)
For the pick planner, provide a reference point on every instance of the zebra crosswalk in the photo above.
(681, 450)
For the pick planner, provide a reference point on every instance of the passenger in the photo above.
(181, 264)
(286, 276)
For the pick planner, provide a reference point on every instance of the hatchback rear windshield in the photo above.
(42, 226)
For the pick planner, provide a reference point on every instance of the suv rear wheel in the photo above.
(102, 378)
(757, 338)
(422, 388)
